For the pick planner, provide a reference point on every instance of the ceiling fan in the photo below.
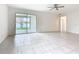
(56, 6)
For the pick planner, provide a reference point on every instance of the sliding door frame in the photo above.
(30, 25)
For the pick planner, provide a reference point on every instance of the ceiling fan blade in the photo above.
(55, 5)
(60, 6)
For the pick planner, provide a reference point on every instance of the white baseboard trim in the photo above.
(48, 31)
(72, 33)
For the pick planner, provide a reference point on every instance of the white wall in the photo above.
(3, 22)
(73, 22)
(11, 21)
(45, 21)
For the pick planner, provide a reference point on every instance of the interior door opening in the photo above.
(25, 23)
(63, 23)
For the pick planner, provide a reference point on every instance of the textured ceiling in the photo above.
(44, 7)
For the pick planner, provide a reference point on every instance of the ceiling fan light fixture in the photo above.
(56, 7)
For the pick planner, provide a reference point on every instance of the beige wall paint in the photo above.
(3, 22)
(45, 21)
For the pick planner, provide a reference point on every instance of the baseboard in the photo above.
(11, 35)
(48, 31)
(72, 33)
(35, 32)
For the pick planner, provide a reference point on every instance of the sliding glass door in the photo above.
(25, 23)
(32, 24)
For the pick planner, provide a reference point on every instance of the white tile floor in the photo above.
(41, 43)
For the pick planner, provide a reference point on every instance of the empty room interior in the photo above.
(39, 28)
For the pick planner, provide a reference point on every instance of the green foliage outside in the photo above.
(22, 28)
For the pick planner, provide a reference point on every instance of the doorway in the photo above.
(63, 23)
(25, 23)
